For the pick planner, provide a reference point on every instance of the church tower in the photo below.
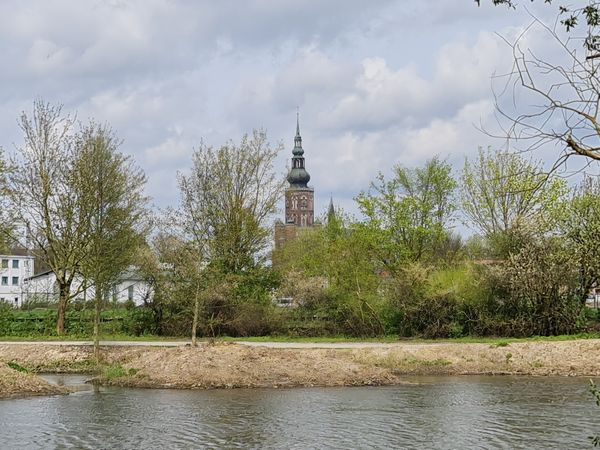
(299, 197)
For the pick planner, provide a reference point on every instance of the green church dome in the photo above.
(298, 176)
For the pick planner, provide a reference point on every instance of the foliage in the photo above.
(535, 292)
(508, 198)
(41, 322)
(222, 235)
(110, 187)
(65, 185)
(580, 226)
(226, 200)
(408, 216)
(16, 366)
(43, 199)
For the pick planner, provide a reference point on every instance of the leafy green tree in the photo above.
(508, 198)
(408, 216)
(536, 291)
(331, 273)
(580, 226)
(109, 187)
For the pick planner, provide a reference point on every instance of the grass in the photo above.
(116, 371)
(495, 341)
(79, 337)
(15, 366)
(427, 362)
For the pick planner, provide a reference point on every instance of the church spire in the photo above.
(331, 217)
(298, 176)
(298, 151)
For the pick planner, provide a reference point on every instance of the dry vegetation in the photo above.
(14, 383)
(233, 365)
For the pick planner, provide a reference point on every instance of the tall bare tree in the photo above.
(554, 97)
(6, 216)
(43, 200)
(226, 201)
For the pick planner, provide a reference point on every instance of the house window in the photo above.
(130, 293)
(15, 264)
(5, 263)
(4, 281)
(15, 281)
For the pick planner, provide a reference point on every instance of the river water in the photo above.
(428, 412)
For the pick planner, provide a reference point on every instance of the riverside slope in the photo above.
(229, 365)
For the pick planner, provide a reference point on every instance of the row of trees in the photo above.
(74, 201)
(77, 203)
(403, 269)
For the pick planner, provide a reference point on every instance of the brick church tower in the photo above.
(299, 197)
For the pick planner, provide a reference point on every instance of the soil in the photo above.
(228, 365)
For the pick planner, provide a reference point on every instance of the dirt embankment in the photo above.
(234, 365)
(16, 384)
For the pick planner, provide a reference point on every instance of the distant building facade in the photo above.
(14, 270)
(130, 286)
(299, 197)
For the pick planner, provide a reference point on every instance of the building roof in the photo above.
(39, 275)
(17, 256)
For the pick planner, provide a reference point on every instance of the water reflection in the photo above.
(430, 412)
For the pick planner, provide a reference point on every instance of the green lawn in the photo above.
(331, 339)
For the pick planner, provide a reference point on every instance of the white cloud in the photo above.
(377, 83)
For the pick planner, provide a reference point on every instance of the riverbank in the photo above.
(14, 383)
(229, 365)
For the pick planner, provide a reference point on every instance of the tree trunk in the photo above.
(97, 308)
(63, 297)
(195, 319)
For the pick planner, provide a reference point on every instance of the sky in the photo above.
(377, 83)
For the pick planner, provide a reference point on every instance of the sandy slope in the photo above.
(14, 383)
(233, 365)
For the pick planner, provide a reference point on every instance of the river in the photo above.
(427, 412)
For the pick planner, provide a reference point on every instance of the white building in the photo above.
(14, 270)
(130, 287)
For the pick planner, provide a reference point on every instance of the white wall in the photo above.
(12, 278)
(44, 288)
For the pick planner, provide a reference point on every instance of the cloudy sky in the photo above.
(377, 82)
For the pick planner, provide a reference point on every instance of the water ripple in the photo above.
(434, 412)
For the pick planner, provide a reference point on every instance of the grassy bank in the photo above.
(391, 339)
